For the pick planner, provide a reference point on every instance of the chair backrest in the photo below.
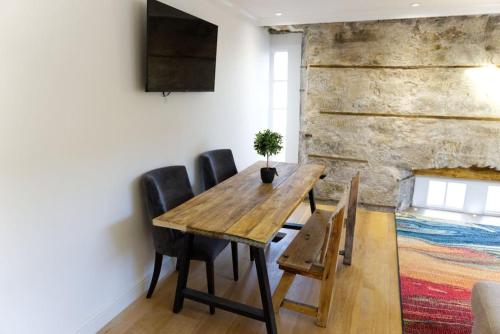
(335, 236)
(164, 189)
(217, 166)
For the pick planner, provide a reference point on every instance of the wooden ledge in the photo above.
(398, 67)
(473, 173)
(337, 157)
(412, 116)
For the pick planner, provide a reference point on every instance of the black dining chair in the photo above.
(216, 167)
(164, 189)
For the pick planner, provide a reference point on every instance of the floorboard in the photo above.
(366, 298)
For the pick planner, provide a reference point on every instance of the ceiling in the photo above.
(263, 12)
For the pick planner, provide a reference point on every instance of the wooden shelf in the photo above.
(474, 173)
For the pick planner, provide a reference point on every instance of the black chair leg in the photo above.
(251, 254)
(156, 274)
(234, 252)
(177, 264)
(210, 282)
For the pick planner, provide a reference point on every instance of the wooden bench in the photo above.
(313, 253)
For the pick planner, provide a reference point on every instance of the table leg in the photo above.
(293, 226)
(183, 272)
(279, 236)
(265, 291)
(311, 200)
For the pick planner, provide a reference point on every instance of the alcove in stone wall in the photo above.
(406, 186)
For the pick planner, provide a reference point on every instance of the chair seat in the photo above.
(205, 248)
(305, 253)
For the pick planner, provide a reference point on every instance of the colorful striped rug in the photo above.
(439, 262)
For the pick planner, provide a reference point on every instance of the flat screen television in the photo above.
(181, 51)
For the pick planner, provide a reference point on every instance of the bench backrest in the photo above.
(351, 220)
(335, 235)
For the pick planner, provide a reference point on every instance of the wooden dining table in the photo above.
(244, 210)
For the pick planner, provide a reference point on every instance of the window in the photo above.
(493, 199)
(455, 195)
(280, 96)
(285, 60)
(449, 195)
(436, 193)
(467, 196)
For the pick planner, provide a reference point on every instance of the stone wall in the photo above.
(387, 97)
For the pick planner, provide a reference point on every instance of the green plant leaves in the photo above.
(268, 143)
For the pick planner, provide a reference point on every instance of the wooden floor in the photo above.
(366, 298)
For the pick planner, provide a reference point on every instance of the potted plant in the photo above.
(268, 143)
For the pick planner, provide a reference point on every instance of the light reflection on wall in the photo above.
(486, 83)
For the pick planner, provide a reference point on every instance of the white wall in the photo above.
(292, 44)
(76, 132)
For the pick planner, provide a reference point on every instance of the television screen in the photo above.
(181, 51)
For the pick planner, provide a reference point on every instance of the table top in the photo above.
(242, 208)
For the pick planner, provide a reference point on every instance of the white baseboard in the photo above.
(108, 312)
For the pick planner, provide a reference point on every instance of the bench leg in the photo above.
(312, 202)
(265, 290)
(282, 289)
(183, 273)
(325, 300)
(349, 243)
